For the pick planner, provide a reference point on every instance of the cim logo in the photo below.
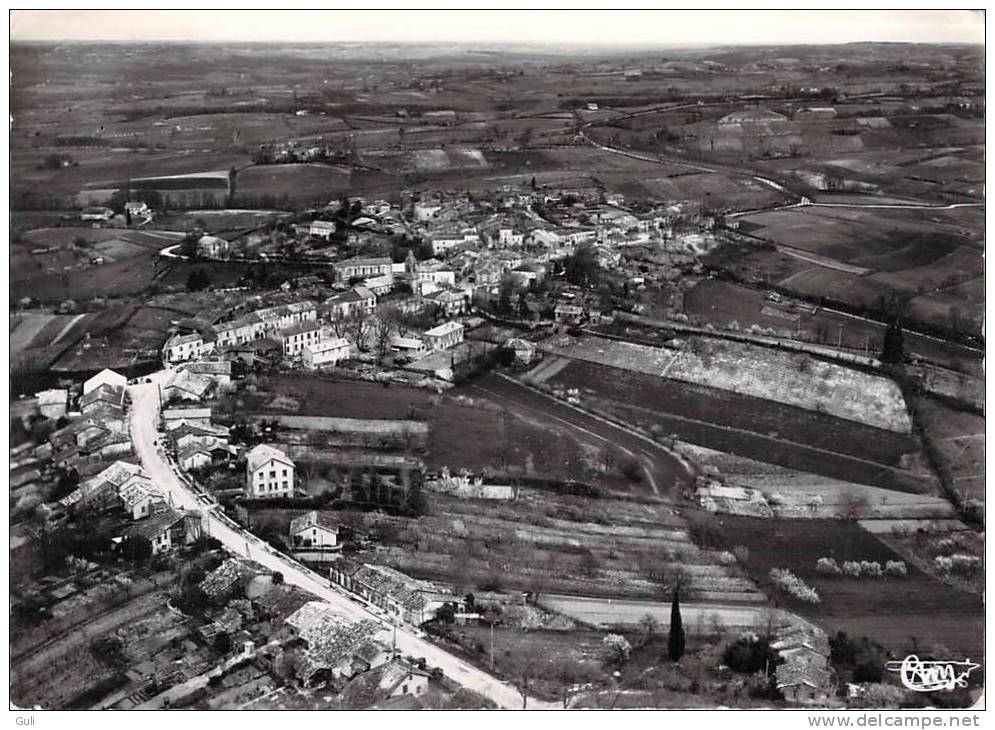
(932, 676)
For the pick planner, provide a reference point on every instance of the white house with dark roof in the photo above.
(314, 530)
(444, 336)
(268, 473)
(326, 352)
(180, 348)
(296, 337)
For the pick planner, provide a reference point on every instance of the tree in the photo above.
(649, 627)
(675, 640)
(358, 325)
(198, 280)
(524, 312)
(505, 292)
(581, 267)
(617, 649)
(383, 326)
(571, 676)
(188, 247)
(893, 347)
(135, 548)
(524, 668)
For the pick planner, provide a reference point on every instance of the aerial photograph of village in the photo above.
(392, 360)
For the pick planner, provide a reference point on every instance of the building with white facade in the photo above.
(268, 473)
(326, 352)
(446, 335)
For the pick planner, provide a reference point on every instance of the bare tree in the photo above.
(358, 325)
(383, 326)
(571, 676)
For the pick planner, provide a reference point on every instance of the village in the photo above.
(568, 382)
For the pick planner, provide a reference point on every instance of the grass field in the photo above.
(305, 182)
(959, 438)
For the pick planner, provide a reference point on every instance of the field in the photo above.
(892, 611)
(916, 254)
(727, 305)
(959, 439)
(467, 430)
(303, 182)
(551, 542)
(759, 429)
(48, 267)
(754, 371)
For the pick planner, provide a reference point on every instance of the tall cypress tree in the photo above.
(675, 642)
(891, 351)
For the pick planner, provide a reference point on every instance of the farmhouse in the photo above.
(218, 370)
(212, 247)
(272, 319)
(408, 345)
(446, 335)
(238, 331)
(321, 229)
(194, 456)
(268, 473)
(332, 641)
(404, 597)
(568, 313)
(185, 347)
(314, 530)
(342, 305)
(104, 406)
(104, 376)
(166, 530)
(187, 386)
(363, 268)
(325, 352)
(138, 499)
(102, 489)
(295, 338)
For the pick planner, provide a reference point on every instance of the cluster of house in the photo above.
(334, 648)
(196, 441)
(403, 598)
(306, 332)
(125, 486)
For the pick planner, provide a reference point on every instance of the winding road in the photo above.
(144, 418)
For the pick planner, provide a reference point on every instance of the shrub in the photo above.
(895, 568)
(943, 564)
(960, 563)
(793, 585)
(742, 554)
(851, 568)
(870, 568)
(828, 566)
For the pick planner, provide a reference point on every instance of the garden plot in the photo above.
(758, 372)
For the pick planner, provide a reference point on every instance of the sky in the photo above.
(560, 27)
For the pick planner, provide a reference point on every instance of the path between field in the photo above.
(68, 327)
(144, 419)
(824, 262)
